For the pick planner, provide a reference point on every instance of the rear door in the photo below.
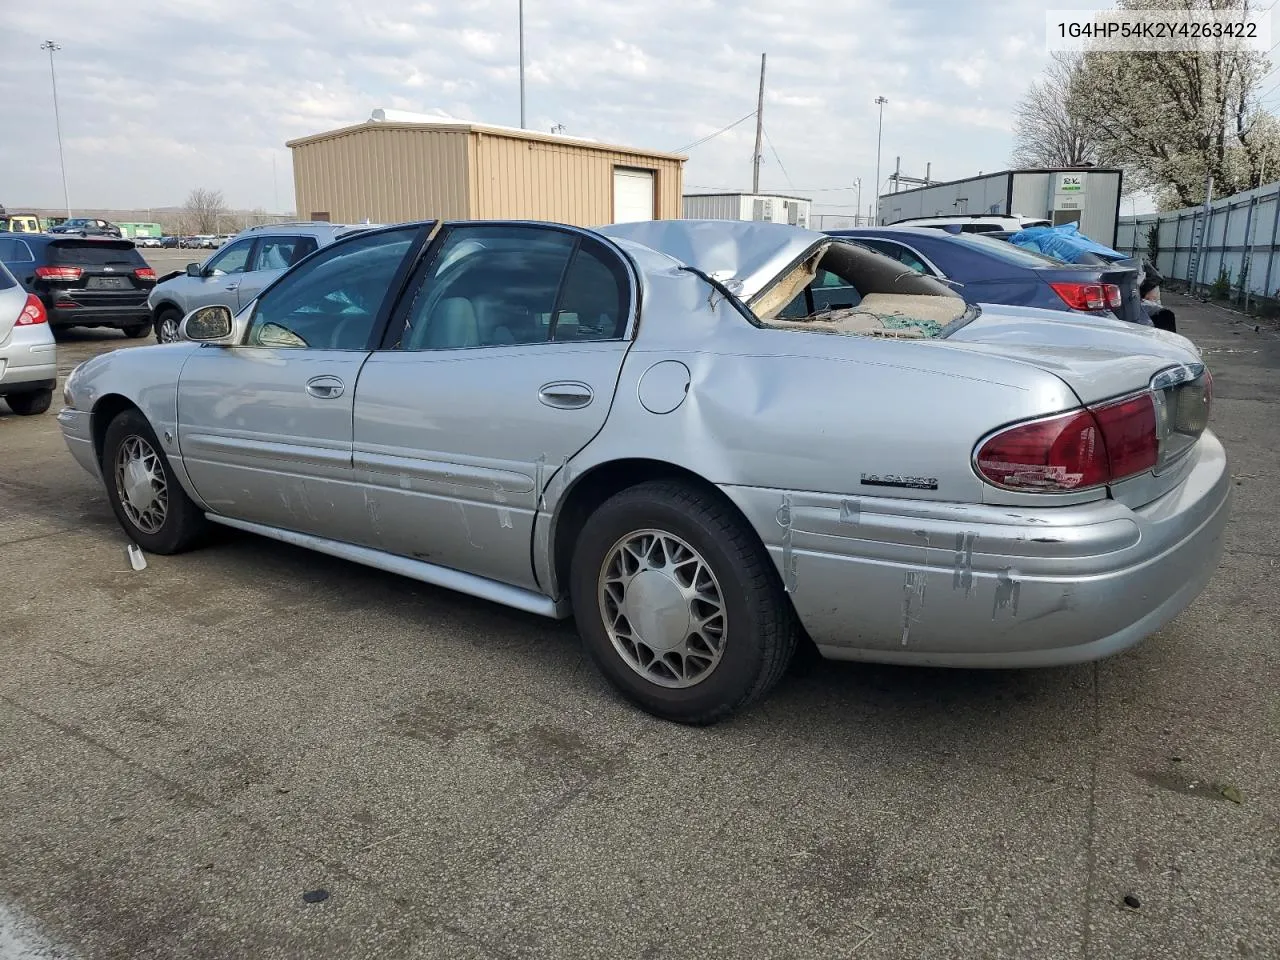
(499, 367)
(265, 427)
(271, 257)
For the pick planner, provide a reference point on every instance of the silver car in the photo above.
(698, 438)
(28, 354)
(238, 271)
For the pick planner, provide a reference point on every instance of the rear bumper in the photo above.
(108, 315)
(985, 586)
(28, 360)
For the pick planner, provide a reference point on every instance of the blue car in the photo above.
(986, 270)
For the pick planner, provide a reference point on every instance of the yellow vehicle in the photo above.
(20, 223)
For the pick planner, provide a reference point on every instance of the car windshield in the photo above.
(1018, 256)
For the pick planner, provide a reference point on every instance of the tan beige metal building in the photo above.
(393, 171)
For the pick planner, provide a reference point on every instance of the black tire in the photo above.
(760, 631)
(136, 331)
(165, 316)
(31, 403)
(183, 522)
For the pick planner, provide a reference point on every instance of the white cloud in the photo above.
(159, 98)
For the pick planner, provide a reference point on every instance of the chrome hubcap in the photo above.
(168, 330)
(662, 608)
(140, 482)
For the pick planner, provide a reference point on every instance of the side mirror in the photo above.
(194, 270)
(211, 324)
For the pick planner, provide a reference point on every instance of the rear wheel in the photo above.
(136, 330)
(678, 604)
(27, 404)
(145, 495)
(166, 325)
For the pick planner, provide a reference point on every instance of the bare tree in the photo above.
(1172, 119)
(204, 210)
(1046, 131)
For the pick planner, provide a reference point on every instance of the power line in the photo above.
(712, 136)
(769, 140)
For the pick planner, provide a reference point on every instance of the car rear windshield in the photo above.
(94, 253)
(1018, 256)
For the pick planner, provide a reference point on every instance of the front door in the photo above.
(265, 427)
(498, 367)
(219, 280)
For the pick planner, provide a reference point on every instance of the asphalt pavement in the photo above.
(255, 751)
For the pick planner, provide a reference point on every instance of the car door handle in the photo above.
(325, 388)
(566, 394)
(231, 286)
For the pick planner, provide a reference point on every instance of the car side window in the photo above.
(489, 286)
(15, 251)
(332, 301)
(594, 297)
(231, 259)
(280, 253)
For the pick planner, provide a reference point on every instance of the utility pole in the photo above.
(522, 64)
(755, 160)
(858, 205)
(879, 130)
(57, 121)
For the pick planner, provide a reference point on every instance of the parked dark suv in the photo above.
(83, 281)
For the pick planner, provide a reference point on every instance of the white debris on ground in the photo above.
(21, 940)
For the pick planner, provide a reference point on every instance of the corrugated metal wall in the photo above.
(1032, 196)
(727, 206)
(946, 199)
(537, 179)
(1243, 237)
(1101, 206)
(386, 173)
(391, 172)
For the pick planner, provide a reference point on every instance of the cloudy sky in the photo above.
(159, 96)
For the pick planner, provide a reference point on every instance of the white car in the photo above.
(976, 222)
(28, 355)
(146, 241)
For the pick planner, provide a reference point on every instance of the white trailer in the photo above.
(772, 207)
(1089, 196)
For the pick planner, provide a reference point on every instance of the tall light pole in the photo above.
(522, 64)
(879, 130)
(858, 205)
(57, 121)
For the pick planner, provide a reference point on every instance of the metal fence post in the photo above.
(1271, 251)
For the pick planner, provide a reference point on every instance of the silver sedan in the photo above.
(28, 353)
(704, 440)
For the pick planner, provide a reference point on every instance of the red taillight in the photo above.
(1072, 451)
(1129, 429)
(1061, 453)
(1112, 293)
(1082, 296)
(144, 273)
(33, 312)
(59, 273)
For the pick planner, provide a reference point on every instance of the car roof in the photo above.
(888, 232)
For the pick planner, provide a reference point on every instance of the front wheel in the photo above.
(167, 323)
(145, 495)
(678, 603)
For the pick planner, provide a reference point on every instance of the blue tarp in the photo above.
(1064, 243)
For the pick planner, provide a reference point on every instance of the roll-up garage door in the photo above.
(632, 195)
